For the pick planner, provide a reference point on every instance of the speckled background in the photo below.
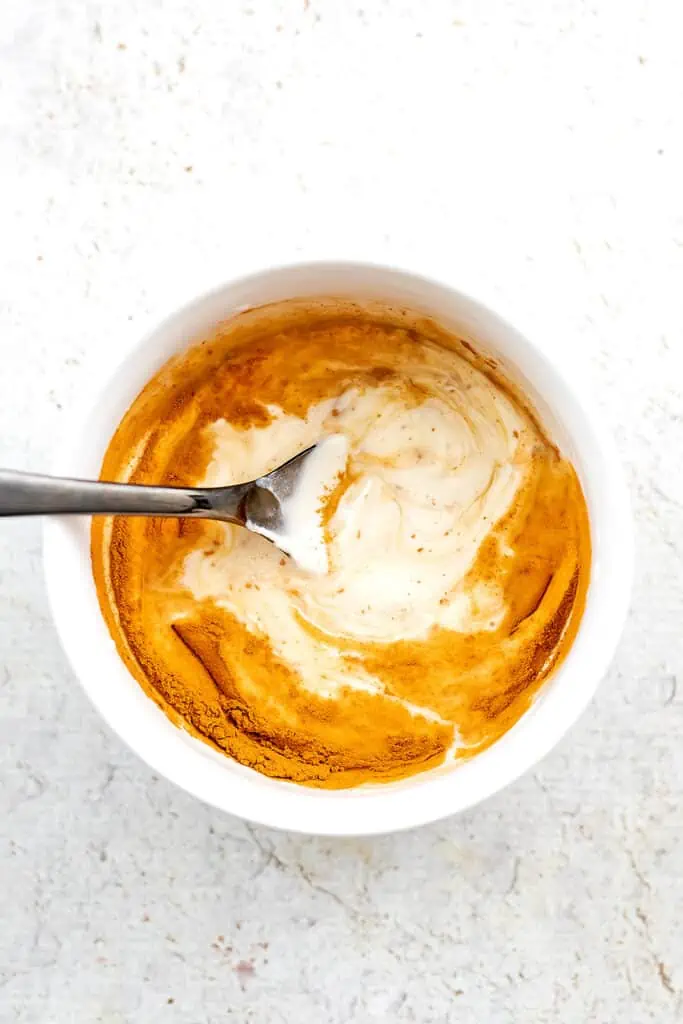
(533, 155)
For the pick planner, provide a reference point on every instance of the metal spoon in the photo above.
(259, 505)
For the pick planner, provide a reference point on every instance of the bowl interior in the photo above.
(213, 777)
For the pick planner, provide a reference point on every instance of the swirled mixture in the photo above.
(455, 547)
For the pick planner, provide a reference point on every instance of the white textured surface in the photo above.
(532, 154)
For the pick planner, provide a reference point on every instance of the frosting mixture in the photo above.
(441, 542)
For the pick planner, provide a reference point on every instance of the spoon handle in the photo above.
(30, 494)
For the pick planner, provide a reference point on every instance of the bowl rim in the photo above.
(386, 807)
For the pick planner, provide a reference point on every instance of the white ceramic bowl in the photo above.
(213, 777)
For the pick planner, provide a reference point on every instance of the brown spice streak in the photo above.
(224, 683)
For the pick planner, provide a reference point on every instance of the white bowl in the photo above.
(222, 782)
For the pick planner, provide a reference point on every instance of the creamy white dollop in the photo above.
(425, 481)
